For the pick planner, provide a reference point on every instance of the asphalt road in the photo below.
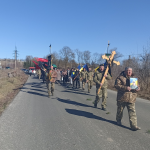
(68, 121)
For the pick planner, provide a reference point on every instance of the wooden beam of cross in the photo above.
(109, 62)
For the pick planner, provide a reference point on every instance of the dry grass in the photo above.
(9, 87)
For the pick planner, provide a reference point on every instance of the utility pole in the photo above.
(16, 54)
(129, 60)
(108, 47)
(50, 49)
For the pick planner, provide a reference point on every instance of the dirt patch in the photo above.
(9, 87)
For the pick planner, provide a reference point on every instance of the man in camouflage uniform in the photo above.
(98, 75)
(53, 75)
(39, 73)
(126, 97)
(83, 78)
(89, 79)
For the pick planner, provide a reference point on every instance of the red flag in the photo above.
(42, 59)
(34, 62)
(37, 67)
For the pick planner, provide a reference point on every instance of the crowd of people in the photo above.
(126, 96)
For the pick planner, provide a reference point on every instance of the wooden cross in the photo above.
(109, 62)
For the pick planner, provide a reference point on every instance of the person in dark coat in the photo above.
(43, 75)
(73, 77)
(77, 79)
(68, 74)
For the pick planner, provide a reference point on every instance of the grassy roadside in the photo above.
(9, 87)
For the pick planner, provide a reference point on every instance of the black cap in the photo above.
(101, 65)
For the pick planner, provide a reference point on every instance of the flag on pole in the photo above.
(72, 74)
(86, 67)
(35, 62)
(79, 67)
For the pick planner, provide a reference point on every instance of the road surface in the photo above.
(68, 121)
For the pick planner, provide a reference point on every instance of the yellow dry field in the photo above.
(9, 87)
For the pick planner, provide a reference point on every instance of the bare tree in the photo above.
(67, 55)
(117, 55)
(86, 56)
(79, 56)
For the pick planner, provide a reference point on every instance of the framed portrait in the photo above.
(134, 83)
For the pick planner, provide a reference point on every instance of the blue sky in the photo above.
(32, 25)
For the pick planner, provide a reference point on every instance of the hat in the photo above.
(101, 65)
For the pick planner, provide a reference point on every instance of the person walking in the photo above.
(98, 76)
(126, 97)
(89, 77)
(77, 78)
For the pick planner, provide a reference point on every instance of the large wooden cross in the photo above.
(109, 62)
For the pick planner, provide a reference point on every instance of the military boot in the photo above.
(49, 94)
(95, 105)
(119, 123)
(136, 128)
(104, 109)
(88, 90)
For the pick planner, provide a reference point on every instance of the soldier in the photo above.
(98, 75)
(126, 97)
(53, 74)
(39, 73)
(83, 78)
(134, 86)
(89, 79)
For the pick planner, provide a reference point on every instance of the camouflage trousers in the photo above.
(131, 112)
(50, 89)
(103, 94)
(39, 76)
(83, 83)
(89, 84)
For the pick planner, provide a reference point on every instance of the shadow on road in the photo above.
(73, 102)
(35, 93)
(77, 92)
(39, 90)
(69, 88)
(90, 115)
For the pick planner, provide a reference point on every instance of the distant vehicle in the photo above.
(7, 67)
(23, 70)
(33, 70)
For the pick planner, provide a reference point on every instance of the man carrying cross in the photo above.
(98, 75)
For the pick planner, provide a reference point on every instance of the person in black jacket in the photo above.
(77, 79)
(70, 75)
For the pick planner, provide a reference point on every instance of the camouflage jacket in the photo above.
(83, 75)
(121, 84)
(53, 74)
(89, 75)
(98, 75)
